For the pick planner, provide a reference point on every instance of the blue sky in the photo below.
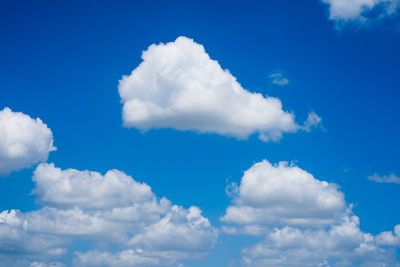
(62, 62)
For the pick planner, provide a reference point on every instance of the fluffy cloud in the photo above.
(179, 86)
(388, 179)
(15, 240)
(23, 141)
(87, 189)
(112, 209)
(283, 194)
(304, 221)
(390, 238)
(360, 10)
(343, 243)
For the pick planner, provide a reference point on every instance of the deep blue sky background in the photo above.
(61, 61)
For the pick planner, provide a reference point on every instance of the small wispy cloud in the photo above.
(279, 79)
(313, 120)
(388, 179)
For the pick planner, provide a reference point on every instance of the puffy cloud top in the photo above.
(87, 189)
(179, 86)
(23, 141)
(273, 194)
(344, 244)
(390, 238)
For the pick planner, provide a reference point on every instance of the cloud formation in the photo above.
(23, 141)
(278, 79)
(271, 195)
(344, 244)
(109, 209)
(304, 221)
(390, 238)
(178, 85)
(388, 179)
(343, 11)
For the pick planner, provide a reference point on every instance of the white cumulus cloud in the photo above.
(23, 141)
(304, 222)
(344, 243)
(390, 238)
(87, 189)
(178, 85)
(283, 194)
(360, 10)
(111, 209)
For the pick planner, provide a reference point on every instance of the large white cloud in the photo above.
(304, 221)
(23, 141)
(344, 244)
(283, 194)
(87, 189)
(358, 10)
(109, 209)
(179, 86)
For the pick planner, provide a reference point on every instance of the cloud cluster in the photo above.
(111, 208)
(178, 85)
(23, 141)
(304, 221)
(344, 244)
(361, 10)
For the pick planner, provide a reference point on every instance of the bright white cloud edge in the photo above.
(279, 79)
(23, 141)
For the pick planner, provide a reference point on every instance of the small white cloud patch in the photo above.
(390, 238)
(387, 179)
(343, 11)
(313, 120)
(23, 141)
(278, 79)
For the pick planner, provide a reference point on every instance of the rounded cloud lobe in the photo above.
(283, 194)
(304, 221)
(179, 86)
(111, 209)
(23, 141)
